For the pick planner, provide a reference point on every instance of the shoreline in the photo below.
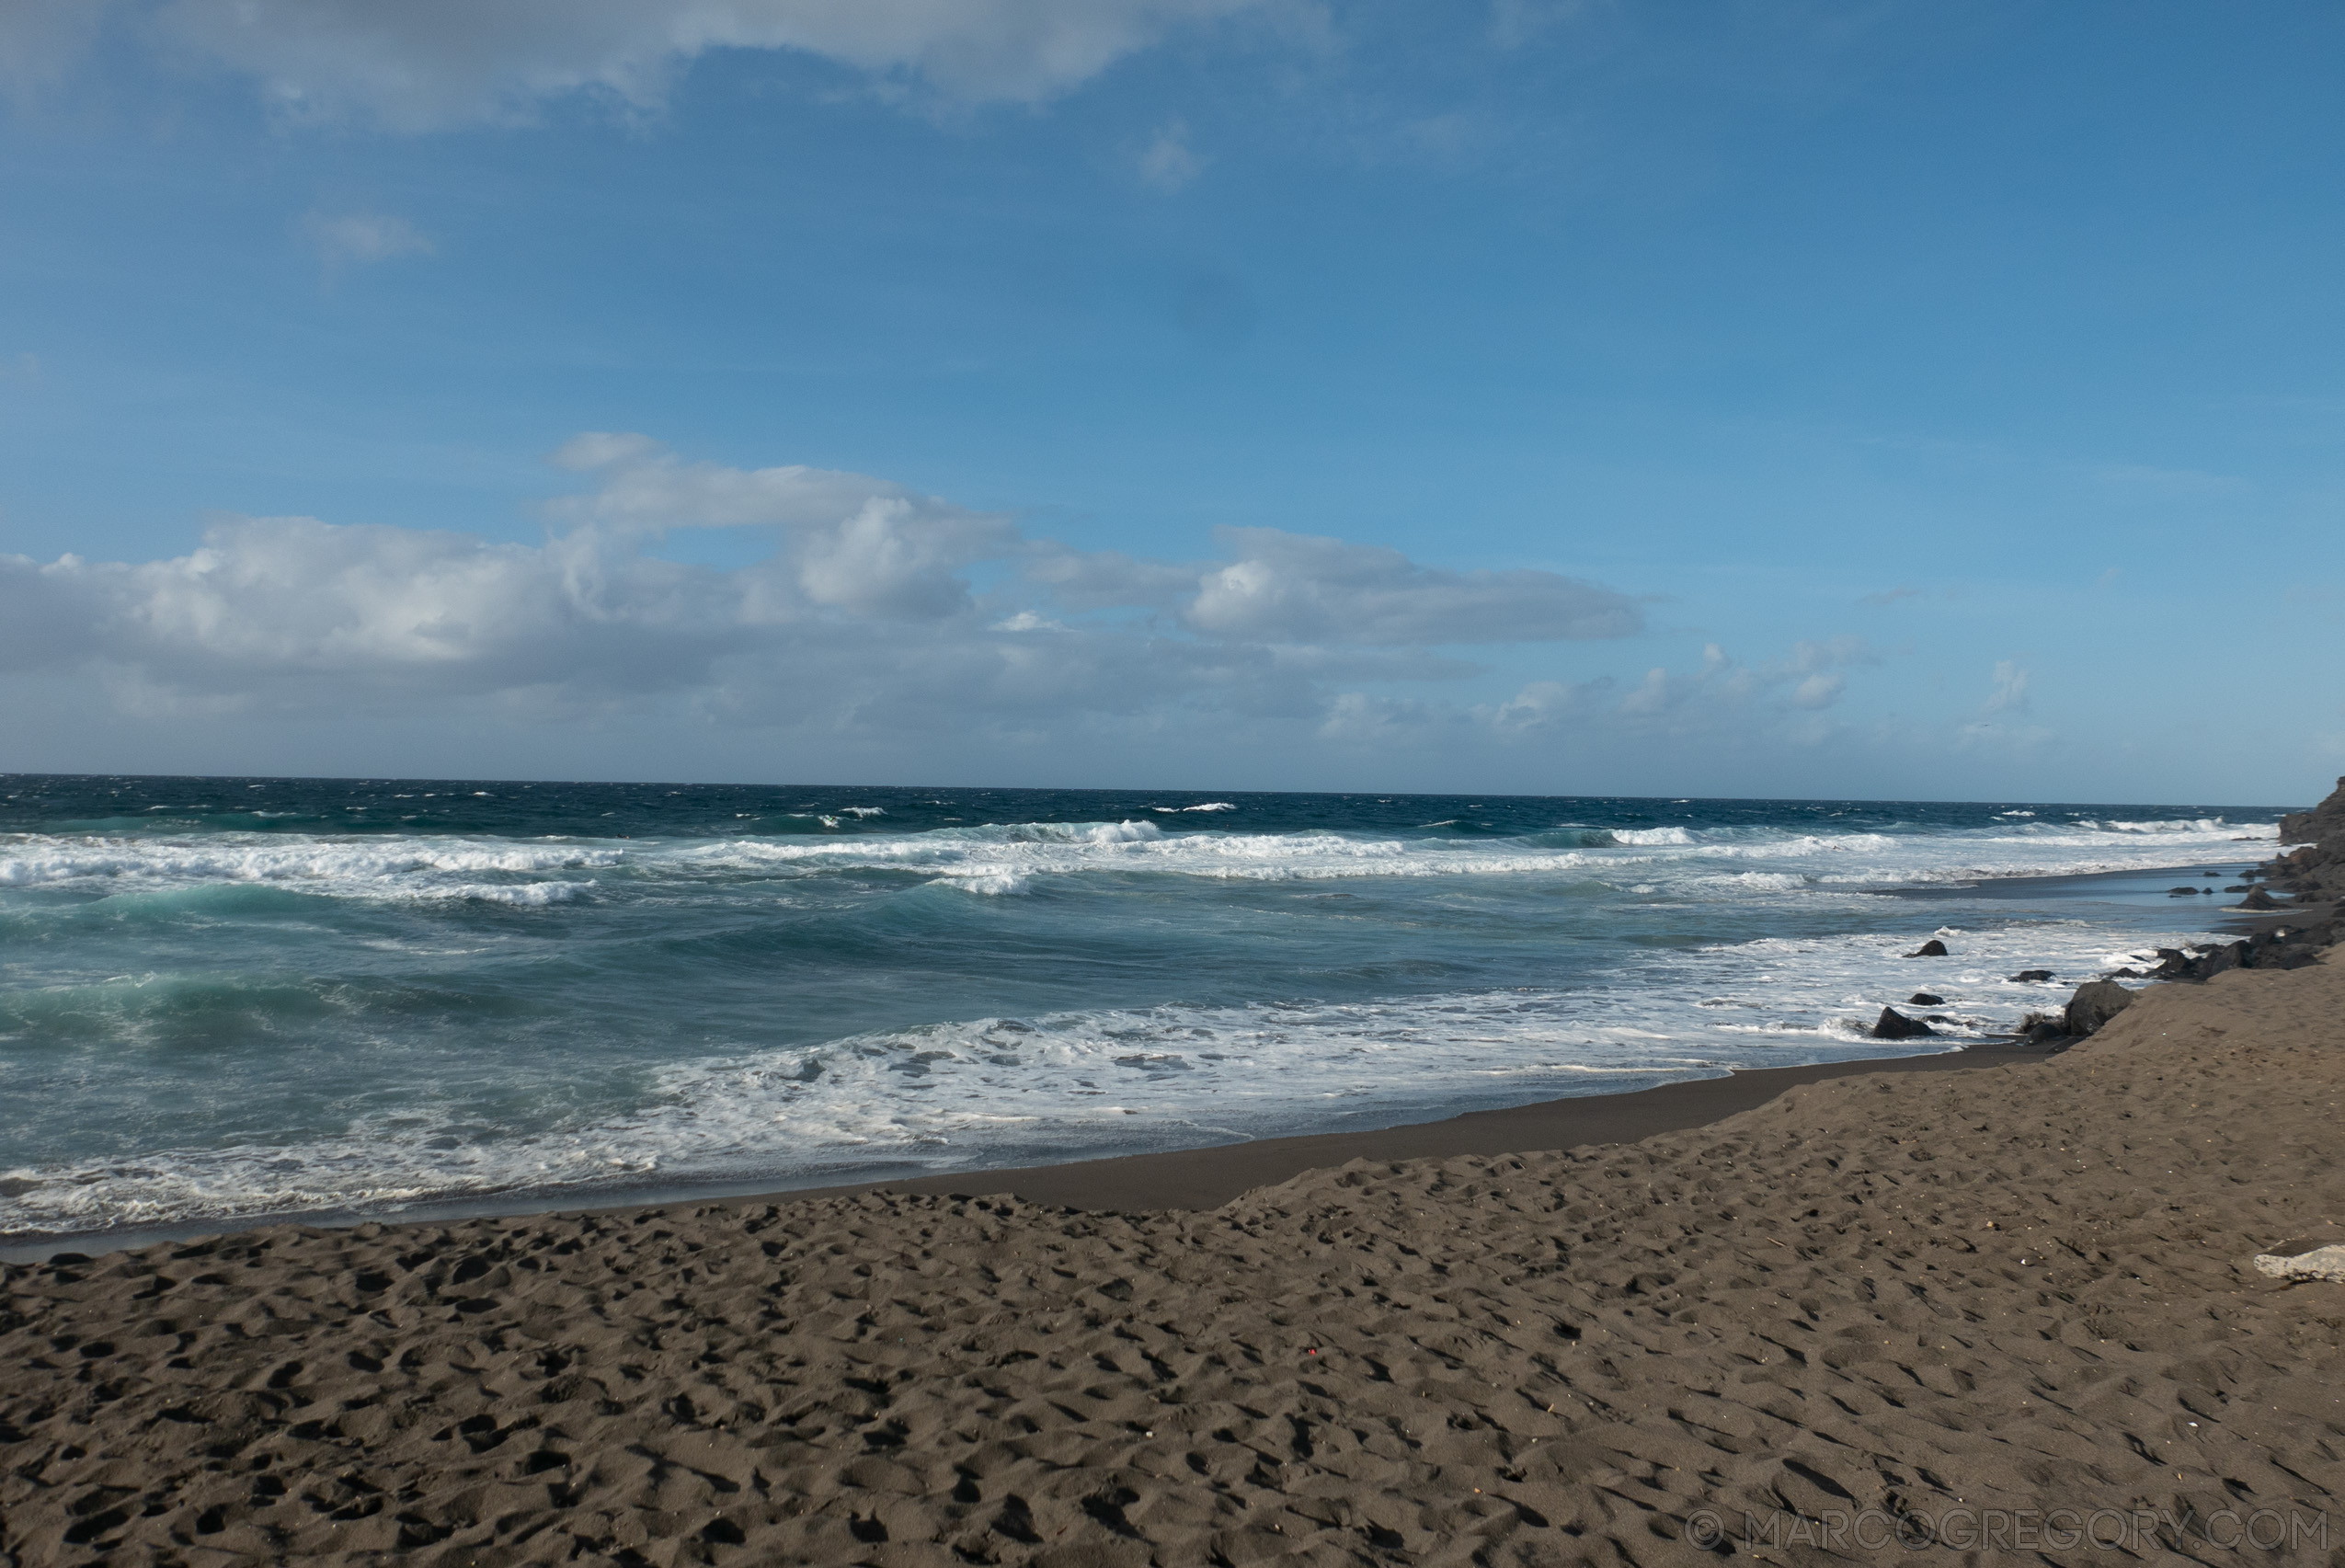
(1195, 1178)
(1182, 1178)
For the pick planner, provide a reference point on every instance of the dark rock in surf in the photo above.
(2095, 1003)
(2259, 899)
(2216, 961)
(1933, 948)
(2182, 892)
(1895, 1026)
(1924, 999)
(2031, 975)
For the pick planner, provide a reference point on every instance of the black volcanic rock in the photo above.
(2095, 1003)
(2324, 822)
(2259, 899)
(1895, 1026)
(1933, 948)
(2031, 975)
(2231, 955)
(1924, 999)
(2315, 872)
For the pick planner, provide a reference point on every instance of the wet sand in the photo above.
(1949, 1302)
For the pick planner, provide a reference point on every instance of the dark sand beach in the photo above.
(1991, 1306)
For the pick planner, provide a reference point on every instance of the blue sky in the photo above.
(1816, 399)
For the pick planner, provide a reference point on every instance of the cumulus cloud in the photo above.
(427, 65)
(292, 607)
(874, 606)
(850, 541)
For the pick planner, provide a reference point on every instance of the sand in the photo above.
(1966, 1300)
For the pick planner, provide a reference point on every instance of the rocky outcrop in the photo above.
(2315, 872)
(1933, 948)
(2095, 1003)
(2324, 822)
(2283, 947)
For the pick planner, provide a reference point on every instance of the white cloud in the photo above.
(1169, 162)
(2010, 692)
(1298, 587)
(850, 541)
(864, 613)
(1720, 694)
(1545, 704)
(364, 237)
(875, 621)
(1813, 670)
(1818, 690)
(295, 609)
(425, 65)
(1653, 694)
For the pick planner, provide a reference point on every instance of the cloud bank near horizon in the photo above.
(872, 608)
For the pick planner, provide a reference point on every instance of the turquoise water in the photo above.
(233, 997)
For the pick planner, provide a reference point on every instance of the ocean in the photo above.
(223, 999)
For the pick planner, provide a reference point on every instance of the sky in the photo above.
(1822, 398)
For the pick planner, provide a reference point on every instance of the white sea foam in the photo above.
(991, 884)
(32, 859)
(994, 1090)
(1651, 836)
(1009, 857)
(523, 895)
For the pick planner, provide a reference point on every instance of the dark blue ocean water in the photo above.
(231, 997)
